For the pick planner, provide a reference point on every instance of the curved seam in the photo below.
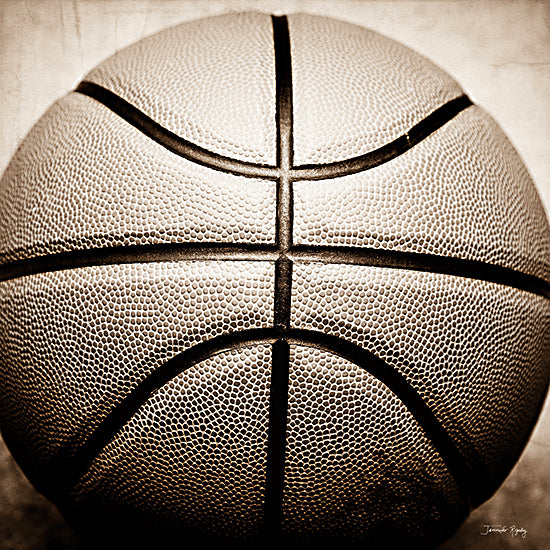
(149, 253)
(465, 477)
(424, 262)
(420, 131)
(169, 139)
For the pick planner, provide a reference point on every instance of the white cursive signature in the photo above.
(502, 529)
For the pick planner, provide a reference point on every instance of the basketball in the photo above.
(270, 280)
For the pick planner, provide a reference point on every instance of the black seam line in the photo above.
(415, 261)
(280, 352)
(65, 472)
(195, 153)
(171, 141)
(402, 144)
(283, 87)
(276, 437)
(282, 292)
(159, 252)
(284, 219)
(162, 252)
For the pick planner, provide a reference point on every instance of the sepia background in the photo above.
(499, 51)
